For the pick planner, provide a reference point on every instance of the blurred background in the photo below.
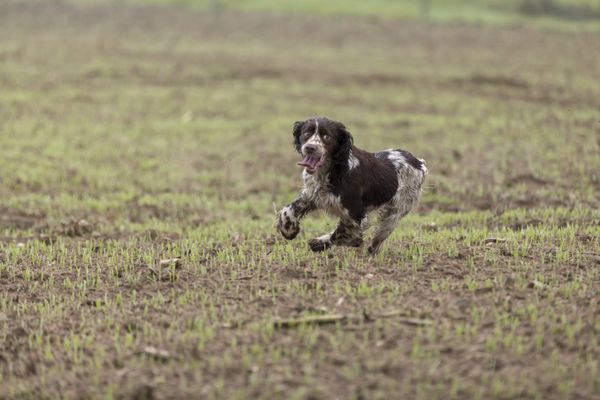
(186, 107)
(462, 10)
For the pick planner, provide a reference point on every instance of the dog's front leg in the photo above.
(347, 233)
(288, 219)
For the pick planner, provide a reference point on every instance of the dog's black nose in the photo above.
(310, 148)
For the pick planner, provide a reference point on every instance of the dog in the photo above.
(348, 183)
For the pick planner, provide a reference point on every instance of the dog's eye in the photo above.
(325, 136)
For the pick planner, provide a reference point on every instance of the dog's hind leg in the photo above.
(389, 218)
(406, 198)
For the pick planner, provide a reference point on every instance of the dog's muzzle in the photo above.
(313, 157)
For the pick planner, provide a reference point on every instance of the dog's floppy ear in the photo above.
(345, 142)
(297, 130)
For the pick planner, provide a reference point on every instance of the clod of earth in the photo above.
(490, 241)
(537, 285)
(156, 353)
(170, 261)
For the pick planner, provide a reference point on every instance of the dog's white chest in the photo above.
(316, 190)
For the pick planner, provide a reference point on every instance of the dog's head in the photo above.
(322, 143)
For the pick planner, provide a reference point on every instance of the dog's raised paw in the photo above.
(287, 225)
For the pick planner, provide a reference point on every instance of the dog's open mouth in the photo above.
(311, 163)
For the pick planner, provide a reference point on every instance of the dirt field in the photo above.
(132, 135)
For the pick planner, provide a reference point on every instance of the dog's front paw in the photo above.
(287, 224)
(319, 244)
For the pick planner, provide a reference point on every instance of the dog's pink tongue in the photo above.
(309, 162)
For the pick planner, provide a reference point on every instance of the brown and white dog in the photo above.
(348, 182)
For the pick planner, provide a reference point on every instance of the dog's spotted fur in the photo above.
(348, 182)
